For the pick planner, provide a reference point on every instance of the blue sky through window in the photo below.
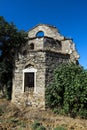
(40, 34)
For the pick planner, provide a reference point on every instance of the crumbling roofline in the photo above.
(42, 25)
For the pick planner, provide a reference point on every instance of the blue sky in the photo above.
(69, 16)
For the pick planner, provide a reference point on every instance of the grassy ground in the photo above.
(12, 118)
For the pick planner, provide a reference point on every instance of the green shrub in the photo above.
(35, 125)
(3, 109)
(59, 128)
(41, 128)
(68, 93)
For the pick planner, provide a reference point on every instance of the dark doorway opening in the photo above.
(29, 81)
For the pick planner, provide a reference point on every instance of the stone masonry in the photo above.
(34, 65)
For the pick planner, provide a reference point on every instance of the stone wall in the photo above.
(45, 62)
(38, 43)
(37, 60)
(53, 60)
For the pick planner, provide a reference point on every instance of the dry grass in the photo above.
(12, 118)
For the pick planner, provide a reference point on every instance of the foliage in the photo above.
(2, 109)
(37, 126)
(68, 93)
(10, 41)
(41, 128)
(59, 128)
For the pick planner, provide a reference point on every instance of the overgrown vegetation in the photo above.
(59, 128)
(10, 41)
(12, 117)
(37, 126)
(68, 93)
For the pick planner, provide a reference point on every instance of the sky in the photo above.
(69, 16)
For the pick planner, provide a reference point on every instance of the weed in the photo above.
(41, 128)
(59, 128)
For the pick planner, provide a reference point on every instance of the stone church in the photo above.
(34, 65)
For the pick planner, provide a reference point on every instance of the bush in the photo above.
(37, 126)
(41, 128)
(68, 93)
(3, 108)
(1, 111)
(59, 128)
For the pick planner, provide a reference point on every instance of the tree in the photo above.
(68, 93)
(10, 42)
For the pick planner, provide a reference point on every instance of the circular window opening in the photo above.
(40, 34)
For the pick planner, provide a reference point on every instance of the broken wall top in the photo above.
(48, 37)
(47, 30)
(49, 40)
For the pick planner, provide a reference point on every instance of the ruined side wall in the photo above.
(35, 99)
(52, 45)
(52, 62)
(68, 47)
(45, 43)
(51, 41)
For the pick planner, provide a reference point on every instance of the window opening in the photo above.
(24, 52)
(29, 82)
(29, 79)
(40, 34)
(59, 45)
(32, 46)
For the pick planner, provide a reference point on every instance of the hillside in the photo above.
(12, 118)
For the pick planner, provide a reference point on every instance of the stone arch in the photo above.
(40, 34)
(29, 66)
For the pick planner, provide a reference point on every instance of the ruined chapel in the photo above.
(34, 66)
